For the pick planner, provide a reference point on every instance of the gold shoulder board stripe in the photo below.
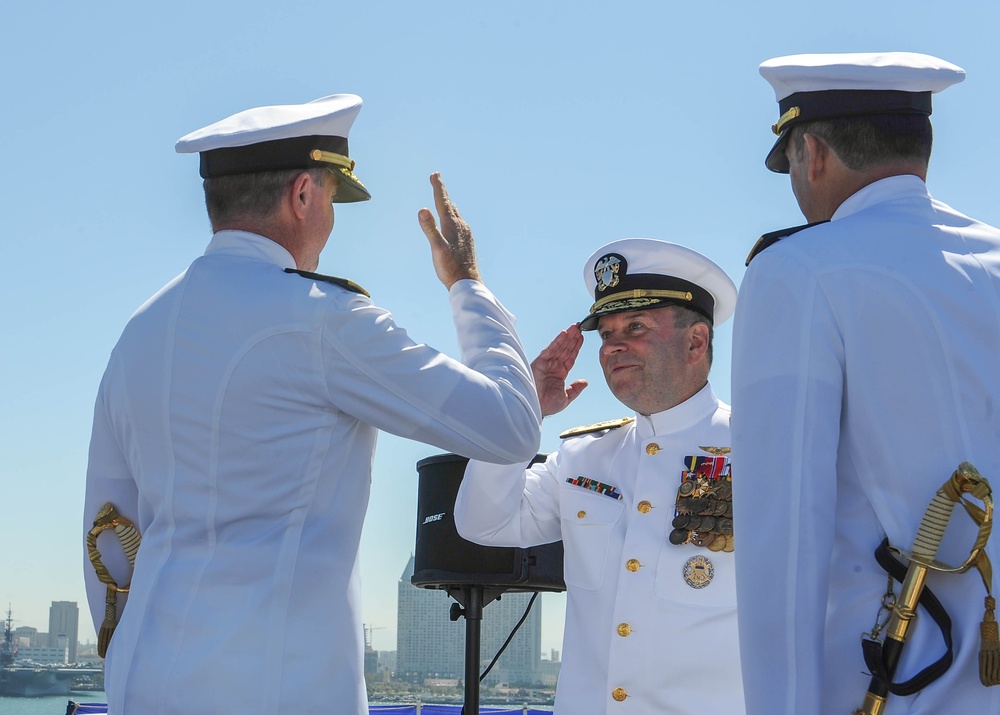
(342, 282)
(587, 429)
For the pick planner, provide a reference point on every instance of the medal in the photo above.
(698, 571)
(703, 510)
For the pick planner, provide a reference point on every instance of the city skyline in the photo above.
(57, 644)
(428, 631)
(431, 644)
(550, 630)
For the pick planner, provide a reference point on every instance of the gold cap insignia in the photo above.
(606, 271)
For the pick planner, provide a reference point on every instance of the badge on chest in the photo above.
(698, 571)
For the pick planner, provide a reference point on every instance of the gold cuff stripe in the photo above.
(330, 158)
(784, 119)
(640, 293)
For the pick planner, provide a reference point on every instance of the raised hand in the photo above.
(551, 368)
(452, 247)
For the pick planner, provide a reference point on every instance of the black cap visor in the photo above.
(836, 103)
(310, 152)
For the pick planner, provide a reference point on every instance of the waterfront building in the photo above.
(429, 645)
(43, 655)
(549, 669)
(64, 627)
(371, 662)
(387, 660)
(28, 637)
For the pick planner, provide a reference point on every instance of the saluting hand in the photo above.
(551, 368)
(452, 248)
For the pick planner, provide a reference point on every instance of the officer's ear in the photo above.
(298, 194)
(816, 155)
(698, 340)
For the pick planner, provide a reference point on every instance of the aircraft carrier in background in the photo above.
(27, 680)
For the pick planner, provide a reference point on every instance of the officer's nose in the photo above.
(612, 344)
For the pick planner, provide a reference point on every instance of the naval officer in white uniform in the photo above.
(236, 422)
(865, 369)
(642, 504)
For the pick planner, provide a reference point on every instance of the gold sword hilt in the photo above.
(129, 538)
(966, 480)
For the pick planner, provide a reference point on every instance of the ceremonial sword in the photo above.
(109, 518)
(965, 480)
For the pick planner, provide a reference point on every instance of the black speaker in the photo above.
(444, 559)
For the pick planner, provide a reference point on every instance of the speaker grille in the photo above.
(442, 558)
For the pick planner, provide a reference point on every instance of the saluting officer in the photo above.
(237, 417)
(865, 360)
(642, 504)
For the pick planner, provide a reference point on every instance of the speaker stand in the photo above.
(472, 599)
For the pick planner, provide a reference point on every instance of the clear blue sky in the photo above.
(558, 126)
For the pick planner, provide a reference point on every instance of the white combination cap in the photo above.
(287, 136)
(828, 86)
(643, 273)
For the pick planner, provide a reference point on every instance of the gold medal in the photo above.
(703, 508)
(703, 538)
(698, 571)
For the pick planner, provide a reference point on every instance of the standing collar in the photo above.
(697, 407)
(250, 245)
(888, 189)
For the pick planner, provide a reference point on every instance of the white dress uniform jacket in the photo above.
(236, 424)
(633, 625)
(865, 369)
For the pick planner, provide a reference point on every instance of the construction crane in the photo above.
(368, 628)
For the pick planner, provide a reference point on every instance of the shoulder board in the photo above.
(342, 282)
(769, 239)
(587, 429)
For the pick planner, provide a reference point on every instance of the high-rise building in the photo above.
(387, 660)
(64, 625)
(371, 662)
(430, 645)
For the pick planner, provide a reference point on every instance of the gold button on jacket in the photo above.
(652, 448)
(633, 565)
(619, 694)
(644, 507)
(624, 629)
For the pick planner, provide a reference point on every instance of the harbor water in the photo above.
(56, 705)
(47, 705)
